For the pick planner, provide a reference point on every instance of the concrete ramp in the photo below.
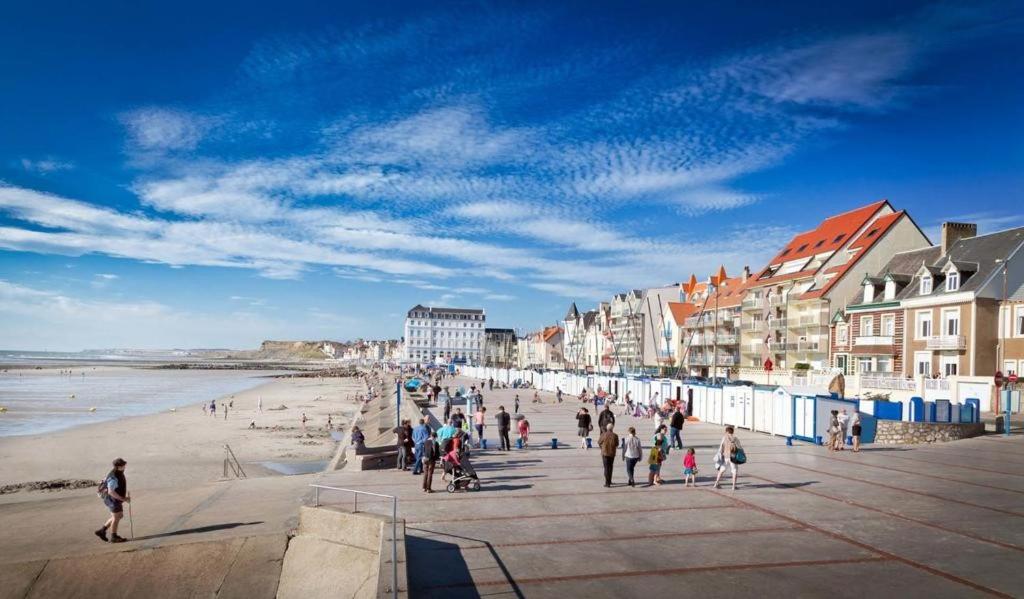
(247, 567)
(340, 554)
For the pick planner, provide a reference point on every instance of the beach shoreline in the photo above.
(185, 445)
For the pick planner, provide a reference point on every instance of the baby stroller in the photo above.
(459, 473)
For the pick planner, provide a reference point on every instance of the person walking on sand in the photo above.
(558, 394)
(259, 404)
(632, 451)
(304, 420)
(728, 452)
(583, 426)
(213, 408)
(609, 443)
(428, 459)
(114, 492)
(515, 405)
(676, 427)
(226, 411)
(504, 424)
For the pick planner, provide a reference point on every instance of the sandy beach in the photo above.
(186, 445)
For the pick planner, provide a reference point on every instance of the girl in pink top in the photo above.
(524, 431)
(690, 468)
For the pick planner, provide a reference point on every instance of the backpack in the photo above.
(739, 456)
(101, 490)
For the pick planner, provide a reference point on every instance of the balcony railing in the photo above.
(726, 339)
(777, 323)
(808, 320)
(753, 303)
(754, 325)
(807, 346)
(874, 340)
(936, 384)
(887, 381)
(946, 342)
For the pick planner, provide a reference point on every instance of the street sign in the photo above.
(999, 379)
(768, 364)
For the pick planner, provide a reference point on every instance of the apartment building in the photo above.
(444, 334)
(582, 339)
(500, 348)
(787, 307)
(1011, 329)
(954, 301)
(712, 332)
(542, 349)
(676, 335)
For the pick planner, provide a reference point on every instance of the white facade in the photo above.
(445, 333)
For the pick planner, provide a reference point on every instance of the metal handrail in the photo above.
(355, 508)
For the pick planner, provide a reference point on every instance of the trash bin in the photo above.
(519, 443)
(554, 443)
(589, 443)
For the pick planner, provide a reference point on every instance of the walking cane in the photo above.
(131, 521)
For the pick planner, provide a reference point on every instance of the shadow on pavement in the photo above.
(198, 530)
(438, 569)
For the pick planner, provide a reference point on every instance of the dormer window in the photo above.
(890, 290)
(926, 285)
(953, 281)
(869, 293)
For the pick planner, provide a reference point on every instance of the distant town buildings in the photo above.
(500, 348)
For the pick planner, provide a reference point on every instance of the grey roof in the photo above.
(589, 317)
(573, 313)
(1016, 295)
(983, 250)
(437, 310)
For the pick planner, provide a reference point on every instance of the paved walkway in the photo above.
(937, 521)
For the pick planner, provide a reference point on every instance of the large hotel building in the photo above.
(451, 334)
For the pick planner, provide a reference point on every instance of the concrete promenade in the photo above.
(937, 521)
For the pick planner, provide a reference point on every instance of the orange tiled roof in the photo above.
(868, 238)
(550, 332)
(681, 311)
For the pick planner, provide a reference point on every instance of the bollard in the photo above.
(818, 440)
(554, 443)
(483, 443)
(519, 443)
(789, 441)
(589, 445)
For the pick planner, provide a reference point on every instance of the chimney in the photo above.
(954, 232)
(746, 273)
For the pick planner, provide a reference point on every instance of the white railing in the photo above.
(889, 382)
(936, 384)
(777, 323)
(727, 339)
(753, 303)
(807, 346)
(394, 523)
(946, 342)
(754, 325)
(874, 340)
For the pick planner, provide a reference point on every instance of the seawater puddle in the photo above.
(293, 468)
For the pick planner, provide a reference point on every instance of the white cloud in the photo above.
(163, 129)
(500, 297)
(45, 166)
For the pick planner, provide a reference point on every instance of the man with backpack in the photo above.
(114, 492)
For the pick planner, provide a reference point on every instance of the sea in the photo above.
(46, 391)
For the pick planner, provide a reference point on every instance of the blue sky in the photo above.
(217, 174)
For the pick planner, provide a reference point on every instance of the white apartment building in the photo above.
(451, 334)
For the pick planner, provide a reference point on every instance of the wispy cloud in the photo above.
(156, 128)
(45, 166)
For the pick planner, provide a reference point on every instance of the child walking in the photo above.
(690, 468)
(654, 460)
(524, 432)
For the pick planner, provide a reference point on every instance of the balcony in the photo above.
(874, 340)
(753, 303)
(941, 342)
(809, 320)
(807, 346)
(777, 323)
(754, 325)
(726, 339)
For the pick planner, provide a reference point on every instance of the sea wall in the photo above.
(893, 432)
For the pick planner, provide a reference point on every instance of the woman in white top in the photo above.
(632, 451)
(726, 455)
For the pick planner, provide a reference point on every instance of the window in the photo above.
(883, 364)
(1018, 321)
(801, 248)
(1009, 367)
(819, 244)
(888, 325)
(950, 365)
(841, 333)
(871, 233)
(839, 238)
(951, 322)
(926, 285)
(923, 363)
(865, 365)
(924, 324)
(953, 281)
(867, 326)
(784, 252)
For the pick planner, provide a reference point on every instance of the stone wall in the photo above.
(892, 432)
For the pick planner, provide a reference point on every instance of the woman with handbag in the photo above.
(729, 452)
(583, 426)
